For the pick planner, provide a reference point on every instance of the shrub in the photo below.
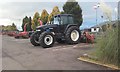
(107, 47)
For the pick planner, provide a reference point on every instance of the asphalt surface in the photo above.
(19, 54)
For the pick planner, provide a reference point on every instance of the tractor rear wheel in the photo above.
(46, 39)
(34, 39)
(73, 35)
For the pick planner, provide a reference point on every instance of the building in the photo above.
(95, 29)
(104, 26)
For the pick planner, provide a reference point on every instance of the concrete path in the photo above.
(19, 54)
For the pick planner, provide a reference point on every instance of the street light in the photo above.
(116, 11)
(96, 8)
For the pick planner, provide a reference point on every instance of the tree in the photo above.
(35, 22)
(72, 7)
(104, 28)
(28, 21)
(44, 16)
(25, 20)
(50, 17)
(55, 11)
(10, 27)
(13, 27)
(62, 12)
(28, 28)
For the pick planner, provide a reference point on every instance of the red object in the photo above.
(11, 33)
(25, 27)
(23, 34)
(40, 22)
(92, 37)
(89, 37)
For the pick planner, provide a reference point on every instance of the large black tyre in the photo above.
(73, 35)
(46, 39)
(34, 39)
(60, 41)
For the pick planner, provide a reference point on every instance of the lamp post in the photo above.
(96, 8)
(116, 11)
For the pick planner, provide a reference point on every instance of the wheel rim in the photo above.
(74, 35)
(48, 39)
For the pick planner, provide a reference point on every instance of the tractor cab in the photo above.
(63, 19)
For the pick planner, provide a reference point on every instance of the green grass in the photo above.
(107, 47)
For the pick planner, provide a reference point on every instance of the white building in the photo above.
(95, 29)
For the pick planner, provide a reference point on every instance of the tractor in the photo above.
(63, 30)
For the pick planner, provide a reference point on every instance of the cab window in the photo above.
(64, 20)
(56, 20)
(70, 20)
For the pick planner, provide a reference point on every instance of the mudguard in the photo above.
(68, 26)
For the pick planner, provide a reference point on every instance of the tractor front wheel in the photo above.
(46, 39)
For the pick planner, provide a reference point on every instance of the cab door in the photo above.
(63, 23)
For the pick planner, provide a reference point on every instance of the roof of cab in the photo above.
(64, 15)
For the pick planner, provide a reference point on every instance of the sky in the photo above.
(14, 11)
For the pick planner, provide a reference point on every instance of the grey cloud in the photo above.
(19, 9)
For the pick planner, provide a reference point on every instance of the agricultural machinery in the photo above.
(62, 30)
(23, 34)
(87, 38)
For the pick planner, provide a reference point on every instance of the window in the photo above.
(56, 20)
(70, 20)
(64, 20)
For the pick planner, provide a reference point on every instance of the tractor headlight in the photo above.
(38, 30)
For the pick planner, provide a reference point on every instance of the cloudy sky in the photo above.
(14, 11)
